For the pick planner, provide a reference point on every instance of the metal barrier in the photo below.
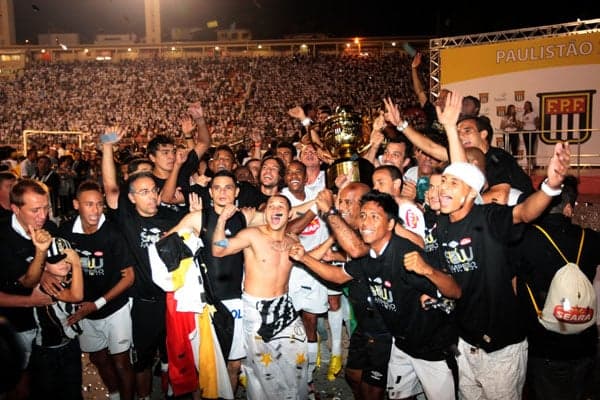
(583, 153)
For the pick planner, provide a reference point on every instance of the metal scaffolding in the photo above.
(437, 44)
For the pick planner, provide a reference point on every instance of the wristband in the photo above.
(101, 302)
(331, 211)
(314, 209)
(549, 191)
(306, 122)
(402, 126)
(188, 137)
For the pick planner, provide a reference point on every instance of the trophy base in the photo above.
(362, 171)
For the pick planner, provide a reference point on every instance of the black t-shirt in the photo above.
(103, 255)
(225, 273)
(501, 167)
(140, 232)
(368, 317)
(396, 292)
(16, 253)
(537, 261)
(475, 251)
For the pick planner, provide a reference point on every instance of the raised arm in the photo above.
(169, 193)
(449, 119)
(111, 137)
(416, 80)
(435, 150)
(376, 139)
(202, 142)
(537, 202)
(257, 138)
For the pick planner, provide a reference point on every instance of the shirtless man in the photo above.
(275, 340)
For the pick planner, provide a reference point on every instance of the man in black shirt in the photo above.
(371, 342)
(24, 240)
(422, 338)
(142, 223)
(225, 273)
(473, 242)
(558, 366)
(104, 314)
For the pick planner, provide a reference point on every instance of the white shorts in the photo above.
(26, 338)
(237, 351)
(496, 375)
(277, 369)
(112, 332)
(409, 376)
(306, 292)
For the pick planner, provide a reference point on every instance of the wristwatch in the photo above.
(331, 211)
(402, 126)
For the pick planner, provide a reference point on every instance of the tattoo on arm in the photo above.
(222, 243)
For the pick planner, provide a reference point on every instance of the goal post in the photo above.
(51, 137)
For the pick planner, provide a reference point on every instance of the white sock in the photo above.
(312, 358)
(114, 396)
(336, 321)
(164, 367)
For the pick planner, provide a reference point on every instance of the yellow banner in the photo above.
(472, 62)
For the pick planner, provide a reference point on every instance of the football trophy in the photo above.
(345, 135)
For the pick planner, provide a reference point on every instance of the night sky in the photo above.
(276, 18)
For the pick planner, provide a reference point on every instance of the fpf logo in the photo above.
(566, 116)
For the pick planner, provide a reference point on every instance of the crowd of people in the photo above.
(240, 94)
(172, 252)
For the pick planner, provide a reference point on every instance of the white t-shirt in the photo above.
(412, 217)
(315, 232)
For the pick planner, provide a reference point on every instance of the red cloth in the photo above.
(183, 375)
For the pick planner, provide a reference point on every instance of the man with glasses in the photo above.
(142, 223)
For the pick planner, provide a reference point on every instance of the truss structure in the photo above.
(437, 44)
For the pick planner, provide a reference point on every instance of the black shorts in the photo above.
(148, 331)
(371, 354)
